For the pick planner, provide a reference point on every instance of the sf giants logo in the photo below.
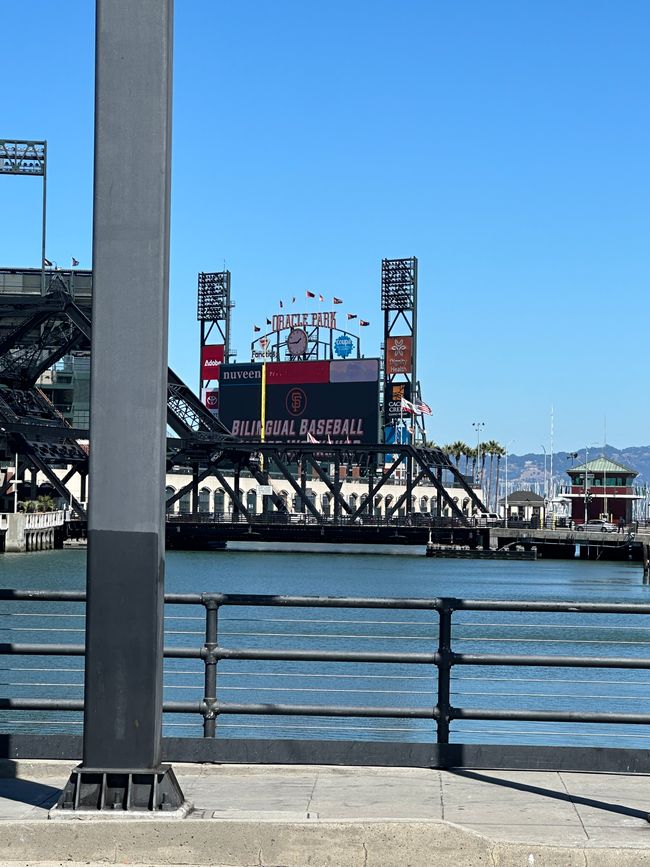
(296, 401)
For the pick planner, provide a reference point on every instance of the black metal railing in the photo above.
(413, 519)
(441, 637)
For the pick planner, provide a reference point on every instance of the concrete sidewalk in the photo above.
(279, 816)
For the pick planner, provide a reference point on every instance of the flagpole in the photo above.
(44, 226)
(263, 407)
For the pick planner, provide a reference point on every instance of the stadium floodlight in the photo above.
(22, 157)
(27, 158)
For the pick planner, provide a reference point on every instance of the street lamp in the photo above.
(478, 426)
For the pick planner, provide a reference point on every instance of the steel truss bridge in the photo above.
(37, 330)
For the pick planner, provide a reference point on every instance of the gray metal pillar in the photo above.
(126, 533)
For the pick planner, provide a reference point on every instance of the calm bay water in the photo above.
(343, 571)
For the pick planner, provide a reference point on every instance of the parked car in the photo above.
(597, 525)
(488, 519)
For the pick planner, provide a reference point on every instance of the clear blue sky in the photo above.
(505, 144)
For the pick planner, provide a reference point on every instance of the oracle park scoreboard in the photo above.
(305, 401)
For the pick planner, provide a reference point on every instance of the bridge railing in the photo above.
(431, 682)
(414, 519)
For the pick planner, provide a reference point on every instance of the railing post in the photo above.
(210, 689)
(444, 671)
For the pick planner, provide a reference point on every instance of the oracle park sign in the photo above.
(305, 401)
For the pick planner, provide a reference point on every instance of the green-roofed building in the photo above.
(602, 487)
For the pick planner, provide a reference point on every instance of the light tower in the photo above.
(399, 287)
(27, 158)
(213, 312)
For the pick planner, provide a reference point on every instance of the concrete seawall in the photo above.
(31, 531)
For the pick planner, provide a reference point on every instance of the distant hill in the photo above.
(528, 470)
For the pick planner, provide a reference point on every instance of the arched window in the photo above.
(424, 503)
(185, 503)
(353, 501)
(325, 504)
(387, 503)
(378, 500)
(219, 501)
(251, 501)
(204, 500)
(169, 492)
(295, 503)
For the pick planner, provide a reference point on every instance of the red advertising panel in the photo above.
(211, 360)
(212, 401)
(399, 355)
(297, 372)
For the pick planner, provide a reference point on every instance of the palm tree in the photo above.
(489, 448)
(483, 451)
(456, 450)
(499, 453)
(473, 454)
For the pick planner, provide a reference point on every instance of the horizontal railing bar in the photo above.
(548, 716)
(408, 603)
(7, 649)
(550, 661)
(286, 726)
(244, 599)
(286, 675)
(327, 655)
(525, 605)
(301, 655)
(323, 710)
(43, 595)
(343, 656)
(41, 704)
(335, 636)
(405, 603)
